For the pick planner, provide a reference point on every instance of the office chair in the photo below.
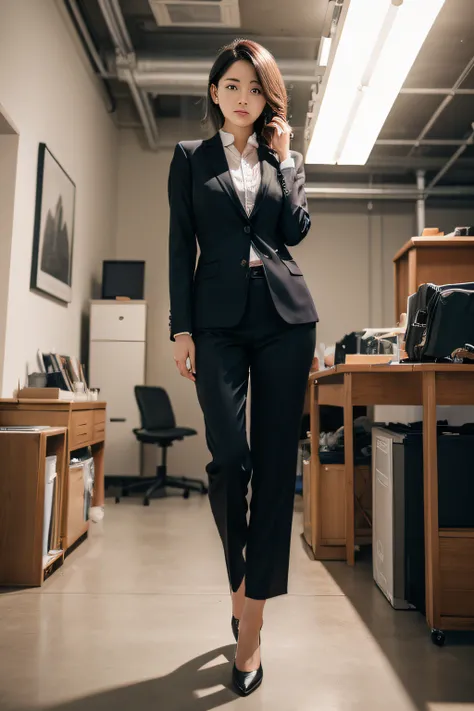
(158, 426)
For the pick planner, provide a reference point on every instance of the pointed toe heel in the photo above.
(245, 683)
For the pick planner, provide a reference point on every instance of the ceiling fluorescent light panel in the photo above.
(377, 48)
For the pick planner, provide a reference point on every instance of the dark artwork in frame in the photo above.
(53, 239)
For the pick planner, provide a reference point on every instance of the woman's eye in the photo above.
(231, 86)
(257, 91)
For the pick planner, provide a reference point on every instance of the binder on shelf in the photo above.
(45, 394)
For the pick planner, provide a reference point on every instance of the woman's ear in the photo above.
(214, 95)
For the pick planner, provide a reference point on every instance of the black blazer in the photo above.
(204, 205)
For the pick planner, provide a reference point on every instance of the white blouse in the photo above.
(246, 176)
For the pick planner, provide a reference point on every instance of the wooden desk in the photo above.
(85, 423)
(449, 554)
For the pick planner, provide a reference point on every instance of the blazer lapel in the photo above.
(220, 168)
(267, 175)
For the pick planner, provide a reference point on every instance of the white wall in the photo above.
(346, 259)
(8, 162)
(49, 92)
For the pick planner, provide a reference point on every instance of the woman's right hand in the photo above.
(184, 348)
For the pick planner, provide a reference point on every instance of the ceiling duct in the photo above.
(196, 13)
(189, 77)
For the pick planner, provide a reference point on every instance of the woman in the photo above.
(245, 310)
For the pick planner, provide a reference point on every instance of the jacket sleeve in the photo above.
(182, 243)
(295, 220)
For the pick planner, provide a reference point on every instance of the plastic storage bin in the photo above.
(49, 483)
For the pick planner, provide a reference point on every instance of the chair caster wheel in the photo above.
(146, 502)
(117, 499)
(186, 494)
(438, 637)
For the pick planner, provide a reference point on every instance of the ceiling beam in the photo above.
(446, 101)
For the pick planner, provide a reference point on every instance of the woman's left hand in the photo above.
(281, 137)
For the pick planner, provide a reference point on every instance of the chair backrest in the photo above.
(155, 408)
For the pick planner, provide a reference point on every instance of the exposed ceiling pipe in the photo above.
(414, 141)
(420, 203)
(468, 142)
(383, 192)
(125, 57)
(429, 92)
(446, 101)
(100, 66)
(190, 76)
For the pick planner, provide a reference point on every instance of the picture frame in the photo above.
(53, 237)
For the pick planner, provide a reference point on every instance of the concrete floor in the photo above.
(138, 619)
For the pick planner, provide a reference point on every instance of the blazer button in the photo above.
(247, 230)
(243, 263)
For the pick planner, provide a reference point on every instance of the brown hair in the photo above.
(268, 75)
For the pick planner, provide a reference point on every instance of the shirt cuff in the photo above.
(181, 333)
(288, 163)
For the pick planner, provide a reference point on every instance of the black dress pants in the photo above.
(278, 357)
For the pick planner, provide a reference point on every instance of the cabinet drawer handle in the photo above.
(118, 419)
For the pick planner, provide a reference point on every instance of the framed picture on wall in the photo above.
(51, 267)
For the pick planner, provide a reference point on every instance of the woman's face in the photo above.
(239, 95)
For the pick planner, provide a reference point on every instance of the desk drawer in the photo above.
(98, 420)
(82, 427)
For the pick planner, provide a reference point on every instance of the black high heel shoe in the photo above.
(234, 623)
(246, 682)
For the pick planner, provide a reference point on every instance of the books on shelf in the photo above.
(63, 370)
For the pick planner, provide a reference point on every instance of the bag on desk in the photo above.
(440, 320)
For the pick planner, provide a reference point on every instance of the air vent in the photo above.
(196, 13)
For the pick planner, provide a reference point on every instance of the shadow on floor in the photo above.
(429, 674)
(174, 692)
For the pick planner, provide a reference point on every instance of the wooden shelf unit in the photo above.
(85, 423)
(440, 260)
(22, 493)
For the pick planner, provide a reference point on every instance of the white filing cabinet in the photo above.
(116, 365)
(388, 521)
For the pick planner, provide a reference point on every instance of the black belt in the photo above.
(257, 272)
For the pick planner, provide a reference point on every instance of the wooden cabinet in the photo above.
(440, 260)
(324, 508)
(85, 423)
(456, 572)
(22, 503)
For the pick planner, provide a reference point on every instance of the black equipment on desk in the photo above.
(440, 320)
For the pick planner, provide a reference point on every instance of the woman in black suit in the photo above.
(245, 310)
